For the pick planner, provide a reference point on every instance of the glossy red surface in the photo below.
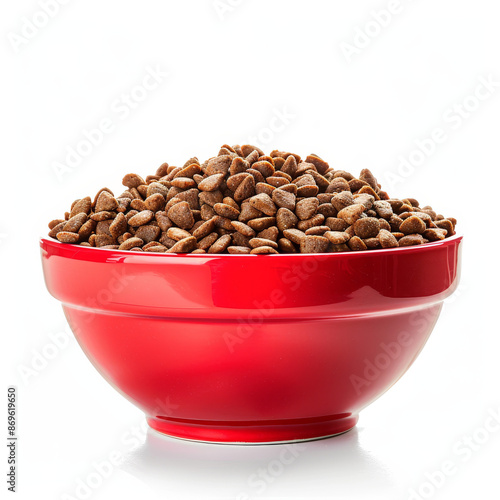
(252, 348)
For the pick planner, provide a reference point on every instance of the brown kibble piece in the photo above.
(342, 200)
(138, 205)
(226, 211)
(235, 250)
(104, 240)
(337, 237)
(336, 224)
(183, 182)
(435, 234)
(118, 226)
(263, 203)
(148, 233)
(294, 235)
(155, 203)
(106, 202)
(130, 243)
(369, 178)
(238, 165)
(156, 187)
(261, 242)
(351, 213)
(367, 227)
(387, 239)
(356, 244)
(67, 237)
(263, 251)
(315, 220)
(338, 185)
(103, 227)
(84, 205)
(191, 170)
(447, 225)
(86, 230)
(156, 248)
(290, 166)
(412, 225)
(204, 229)
(180, 214)
(411, 239)
(184, 246)
(317, 230)
(284, 199)
(141, 218)
(207, 241)
(211, 183)
(286, 219)
(132, 181)
(219, 165)
(246, 189)
(177, 234)
(262, 223)
(321, 165)
(75, 223)
(286, 246)
(270, 233)
(248, 212)
(313, 244)
(243, 228)
(264, 167)
(306, 208)
(383, 209)
(55, 222)
(221, 244)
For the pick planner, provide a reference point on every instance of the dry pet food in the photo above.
(243, 201)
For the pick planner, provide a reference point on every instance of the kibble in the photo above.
(243, 201)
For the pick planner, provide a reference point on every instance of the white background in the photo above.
(232, 72)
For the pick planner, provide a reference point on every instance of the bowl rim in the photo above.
(107, 252)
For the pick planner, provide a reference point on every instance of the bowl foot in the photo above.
(265, 432)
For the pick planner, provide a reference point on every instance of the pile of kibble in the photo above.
(244, 201)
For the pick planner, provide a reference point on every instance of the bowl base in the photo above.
(280, 432)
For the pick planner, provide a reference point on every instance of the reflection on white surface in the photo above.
(300, 470)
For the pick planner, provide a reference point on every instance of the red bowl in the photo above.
(252, 348)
